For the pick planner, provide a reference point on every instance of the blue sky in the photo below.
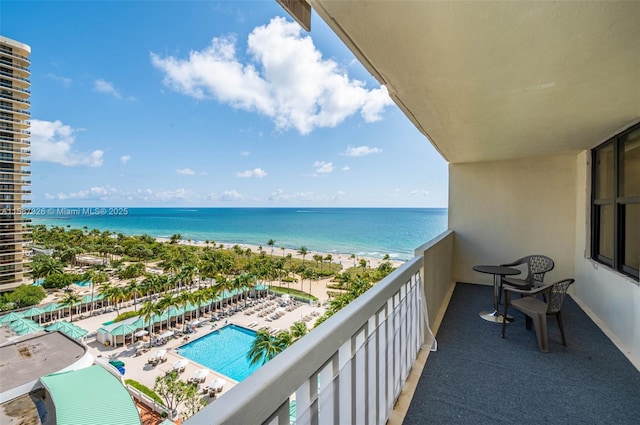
(199, 103)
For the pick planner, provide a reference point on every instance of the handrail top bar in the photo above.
(314, 351)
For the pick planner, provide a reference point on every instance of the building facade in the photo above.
(14, 158)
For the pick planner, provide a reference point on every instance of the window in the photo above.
(615, 218)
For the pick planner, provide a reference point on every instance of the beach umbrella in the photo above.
(8, 318)
(217, 384)
(158, 354)
(180, 364)
(200, 374)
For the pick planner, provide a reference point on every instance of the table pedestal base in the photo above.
(495, 317)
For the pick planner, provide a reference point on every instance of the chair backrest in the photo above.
(556, 295)
(538, 265)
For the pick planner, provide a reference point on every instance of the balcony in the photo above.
(371, 364)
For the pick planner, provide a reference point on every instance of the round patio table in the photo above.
(497, 272)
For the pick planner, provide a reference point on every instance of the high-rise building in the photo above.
(14, 157)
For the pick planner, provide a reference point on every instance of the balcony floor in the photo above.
(476, 377)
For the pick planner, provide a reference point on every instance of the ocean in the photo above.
(368, 232)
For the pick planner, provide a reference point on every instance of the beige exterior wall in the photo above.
(503, 210)
(612, 299)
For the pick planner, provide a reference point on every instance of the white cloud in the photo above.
(420, 192)
(256, 172)
(323, 167)
(125, 158)
(162, 196)
(230, 195)
(185, 171)
(245, 153)
(101, 193)
(339, 195)
(106, 87)
(346, 168)
(66, 82)
(286, 79)
(51, 141)
(280, 196)
(361, 151)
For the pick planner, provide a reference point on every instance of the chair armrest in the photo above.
(529, 292)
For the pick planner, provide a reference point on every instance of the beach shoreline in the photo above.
(343, 259)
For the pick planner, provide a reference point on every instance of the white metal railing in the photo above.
(349, 370)
(147, 401)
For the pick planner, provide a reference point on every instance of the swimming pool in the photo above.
(83, 283)
(224, 351)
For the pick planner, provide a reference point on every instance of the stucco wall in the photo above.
(503, 210)
(613, 300)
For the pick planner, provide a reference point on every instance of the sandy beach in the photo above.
(278, 252)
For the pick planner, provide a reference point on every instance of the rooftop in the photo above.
(36, 355)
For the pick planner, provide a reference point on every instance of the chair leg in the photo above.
(504, 318)
(527, 322)
(559, 318)
(540, 322)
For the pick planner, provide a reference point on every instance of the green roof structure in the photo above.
(90, 396)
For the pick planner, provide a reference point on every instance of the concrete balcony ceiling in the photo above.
(498, 80)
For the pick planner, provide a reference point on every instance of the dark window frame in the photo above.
(618, 202)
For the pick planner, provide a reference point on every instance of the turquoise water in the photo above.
(40, 281)
(369, 232)
(224, 351)
(110, 322)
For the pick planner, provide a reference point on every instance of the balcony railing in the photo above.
(352, 368)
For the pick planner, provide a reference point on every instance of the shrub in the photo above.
(25, 295)
(144, 390)
(126, 315)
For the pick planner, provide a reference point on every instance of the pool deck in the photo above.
(136, 367)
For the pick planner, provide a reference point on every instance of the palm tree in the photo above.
(199, 297)
(46, 266)
(221, 286)
(184, 298)
(353, 256)
(271, 243)
(96, 277)
(298, 330)
(363, 263)
(319, 259)
(167, 301)
(70, 299)
(105, 290)
(263, 348)
(303, 251)
(133, 289)
(147, 311)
